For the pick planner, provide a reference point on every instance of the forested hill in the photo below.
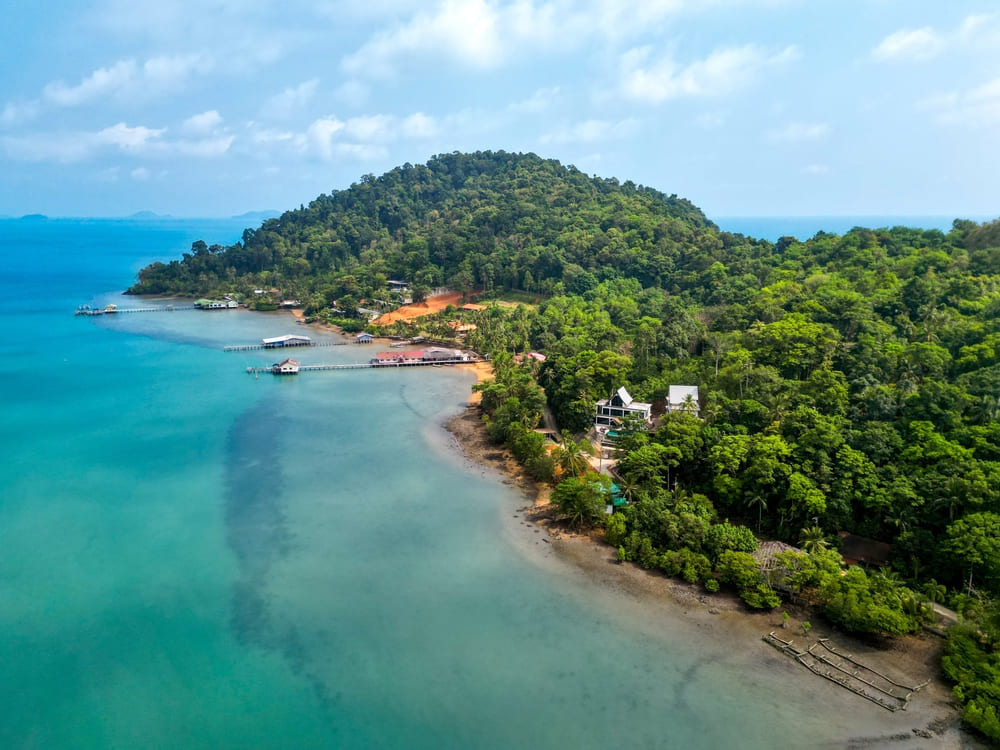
(484, 220)
(848, 384)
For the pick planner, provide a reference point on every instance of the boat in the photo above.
(110, 309)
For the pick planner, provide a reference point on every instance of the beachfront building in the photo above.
(287, 367)
(440, 353)
(683, 398)
(364, 338)
(289, 339)
(388, 359)
(216, 304)
(610, 411)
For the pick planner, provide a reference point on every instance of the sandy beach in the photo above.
(717, 622)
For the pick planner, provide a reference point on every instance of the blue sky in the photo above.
(746, 107)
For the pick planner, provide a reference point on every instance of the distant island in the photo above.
(773, 410)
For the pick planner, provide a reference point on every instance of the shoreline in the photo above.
(932, 715)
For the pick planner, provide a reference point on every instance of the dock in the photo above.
(824, 660)
(122, 310)
(254, 347)
(366, 366)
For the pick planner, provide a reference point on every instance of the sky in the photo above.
(745, 107)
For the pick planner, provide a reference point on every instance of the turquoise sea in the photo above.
(192, 557)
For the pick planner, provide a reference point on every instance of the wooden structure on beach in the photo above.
(823, 659)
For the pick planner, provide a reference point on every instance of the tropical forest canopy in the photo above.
(848, 383)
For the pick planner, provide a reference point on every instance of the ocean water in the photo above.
(803, 227)
(191, 556)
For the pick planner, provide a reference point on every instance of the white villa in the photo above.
(683, 398)
(611, 410)
(287, 367)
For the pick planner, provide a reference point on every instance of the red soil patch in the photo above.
(419, 309)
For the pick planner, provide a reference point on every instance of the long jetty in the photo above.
(367, 366)
(123, 310)
(252, 347)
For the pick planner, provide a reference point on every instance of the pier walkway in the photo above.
(253, 347)
(368, 366)
(123, 310)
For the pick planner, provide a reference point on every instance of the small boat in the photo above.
(110, 308)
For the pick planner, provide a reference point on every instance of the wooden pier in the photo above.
(122, 310)
(367, 366)
(848, 672)
(254, 347)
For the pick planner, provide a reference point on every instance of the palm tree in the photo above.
(987, 410)
(813, 540)
(628, 488)
(952, 497)
(573, 456)
(759, 502)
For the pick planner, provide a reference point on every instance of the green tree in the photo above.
(975, 539)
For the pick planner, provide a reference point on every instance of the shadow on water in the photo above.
(257, 532)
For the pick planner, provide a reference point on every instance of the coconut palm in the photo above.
(760, 503)
(812, 539)
(573, 456)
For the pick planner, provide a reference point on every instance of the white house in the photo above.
(683, 398)
(364, 338)
(288, 367)
(611, 410)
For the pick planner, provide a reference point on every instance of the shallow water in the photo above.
(196, 557)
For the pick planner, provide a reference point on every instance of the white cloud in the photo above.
(592, 131)
(131, 139)
(319, 138)
(484, 34)
(797, 132)
(291, 100)
(913, 45)
(99, 83)
(139, 174)
(723, 71)
(268, 136)
(365, 137)
(206, 122)
(370, 128)
(120, 138)
(172, 71)
(204, 148)
(418, 125)
(975, 33)
(126, 78)
(465, 30)
(976, 107)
